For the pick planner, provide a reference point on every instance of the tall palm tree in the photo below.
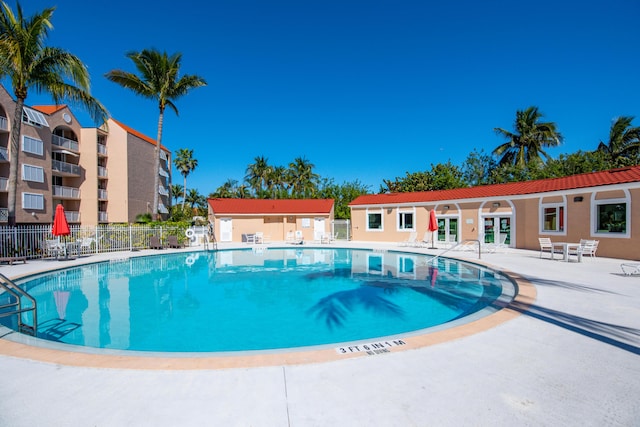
(624, 139)
(528, 141)
(257, 175)
(159, 80)
(30, 65)
(185, 163)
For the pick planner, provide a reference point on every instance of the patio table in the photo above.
(565, 247)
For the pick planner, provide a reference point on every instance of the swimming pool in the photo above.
(238, 300)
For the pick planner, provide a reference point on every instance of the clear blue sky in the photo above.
(365, 90)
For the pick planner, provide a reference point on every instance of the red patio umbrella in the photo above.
(60, 225)
(433, 226)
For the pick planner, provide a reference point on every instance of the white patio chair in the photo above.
(53, 248)
(545, 245)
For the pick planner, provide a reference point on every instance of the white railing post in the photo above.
(130, 239)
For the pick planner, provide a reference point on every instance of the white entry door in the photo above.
(318, 228)
(226, 226)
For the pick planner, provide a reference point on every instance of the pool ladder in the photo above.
(16, 308)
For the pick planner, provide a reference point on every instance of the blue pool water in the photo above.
(256, 300)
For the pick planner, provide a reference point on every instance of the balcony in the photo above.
(4, 184)
(102, 172)
(4, 154)
(163, 191)
(72, 216)
(162, 208)
(4, 214)
(65, 168)
(66, 192)
(102, 194)
(102, 216)
(102, 149)
(163, 172)
(65, 143)
(4, 124)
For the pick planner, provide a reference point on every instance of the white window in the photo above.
(553, 218)
(33, 117)
(32, 201)
(374, 220)
(406, 220)
(32, 173)
(32, 145)
(611, 218)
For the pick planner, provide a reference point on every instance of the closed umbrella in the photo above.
(60, 225)
(433, 226)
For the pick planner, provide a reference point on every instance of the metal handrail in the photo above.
(18, 293)
(455, 246)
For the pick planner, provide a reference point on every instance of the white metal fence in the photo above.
(31, 240)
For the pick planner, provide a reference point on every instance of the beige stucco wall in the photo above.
(117, 171)
(89, 185)
(274, 227)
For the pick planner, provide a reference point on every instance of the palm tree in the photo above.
(257, 175)
(176, 191)
(303, 179)
(158, 80)
(30, 65)
(529, 140)
(624, 140)
(185, 163)
(195, 199)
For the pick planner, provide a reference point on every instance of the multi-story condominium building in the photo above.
(100, 174)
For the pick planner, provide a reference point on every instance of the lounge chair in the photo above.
(172, 242)
(631, 268)
(545, 246)
(11, 259)
(411, 240)
(589, 247)
(154, 243)
(426, 240)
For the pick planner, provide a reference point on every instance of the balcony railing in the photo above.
(163, 172)
(4, 154)
(102, 172)
(162, 208)
(102, 216)
(63, 142)
(4, 214)
(4, 184)
(66, 192)
(163, 191)
(4, 123)
(64, 167)
(102, 149)
(102, 194)
(72, 216)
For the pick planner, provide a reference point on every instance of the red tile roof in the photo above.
(49, 109)
(270, 206)
(140, 135)
(594, 179)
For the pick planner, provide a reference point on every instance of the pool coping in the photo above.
(20, 348)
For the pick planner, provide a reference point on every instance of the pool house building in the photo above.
(602, 206)
(238, 220)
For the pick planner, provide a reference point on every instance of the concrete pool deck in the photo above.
(569, 358)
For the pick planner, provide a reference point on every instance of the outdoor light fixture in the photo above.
(446, 207)
(578, 199)
(496, 205)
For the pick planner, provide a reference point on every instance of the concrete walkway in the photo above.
(572, 358)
